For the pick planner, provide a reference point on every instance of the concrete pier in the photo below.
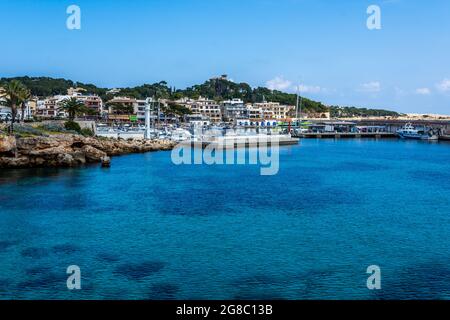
(244, 142)
(340, 135)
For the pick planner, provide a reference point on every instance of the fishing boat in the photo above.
(417, 133)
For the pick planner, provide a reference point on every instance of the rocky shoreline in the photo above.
(69, 150)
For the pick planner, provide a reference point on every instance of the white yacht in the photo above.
(419, 133)
(180, 134)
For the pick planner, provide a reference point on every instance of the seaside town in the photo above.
(122, 114)
(155, 123)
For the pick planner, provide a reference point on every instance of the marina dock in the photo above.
(243, 142)
(334, 135)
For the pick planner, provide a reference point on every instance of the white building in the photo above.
(232, 109)
(255, 112)
(202, 106)
(50, 107)
(274, 109)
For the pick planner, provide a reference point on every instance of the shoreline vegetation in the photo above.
(68, 149)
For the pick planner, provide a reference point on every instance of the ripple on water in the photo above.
(44, 281)
(108, 257)
(435, 178)
(5, 286)
(66, 248)
(163, 291)
(38, 271)
(4, 245)
(138, 271)
(262, 287)
(425, 281)
(359, 166)
(35, 253)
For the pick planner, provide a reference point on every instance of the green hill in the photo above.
(218, 89)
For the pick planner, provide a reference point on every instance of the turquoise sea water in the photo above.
(147, 229)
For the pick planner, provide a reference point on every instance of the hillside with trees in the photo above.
(218, 89)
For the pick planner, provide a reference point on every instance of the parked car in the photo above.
(5, 116)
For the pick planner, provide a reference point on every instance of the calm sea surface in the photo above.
(147, 229)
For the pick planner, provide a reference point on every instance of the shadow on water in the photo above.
(261, 287)
(108, 257)
(32, 176)
(435, 178)
(301, 189)
(65, 249)
(4, 245)
(43, 182)
(428, 281)
(163, 291)
(5, 286)
(46, 280)
(308, 285)
(35, 253)
(139, 271)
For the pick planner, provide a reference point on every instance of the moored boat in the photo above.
(417, 133)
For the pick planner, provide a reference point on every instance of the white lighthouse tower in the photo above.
(148, 110)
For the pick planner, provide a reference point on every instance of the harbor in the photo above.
(307, 130)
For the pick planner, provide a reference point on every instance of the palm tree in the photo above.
(26, 97)
(15, 94)
(74, 107)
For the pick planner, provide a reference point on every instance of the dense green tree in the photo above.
(74, 107)
(15, 95)
(121, 108)
(218, 89)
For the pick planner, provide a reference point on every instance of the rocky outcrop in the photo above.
(7, 146)
(68, 150)
(92, 154)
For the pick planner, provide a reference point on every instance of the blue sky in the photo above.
(322, 45)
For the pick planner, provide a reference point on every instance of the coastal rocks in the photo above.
(28, 144)
(14, 162)
(65, 160)
(106, 162)
(68, 150)
(7, 146)
(92, 154)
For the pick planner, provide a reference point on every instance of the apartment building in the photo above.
(125, 101)
(233, 109)
(274, 110)
(254, 113)
(49, 108)
(202, 106)
(93, 102)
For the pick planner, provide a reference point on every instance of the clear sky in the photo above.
(322, 45)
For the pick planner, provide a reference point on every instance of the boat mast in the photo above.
(300, 110)
(296, 106)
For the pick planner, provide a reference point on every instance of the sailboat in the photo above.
(298, 112)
